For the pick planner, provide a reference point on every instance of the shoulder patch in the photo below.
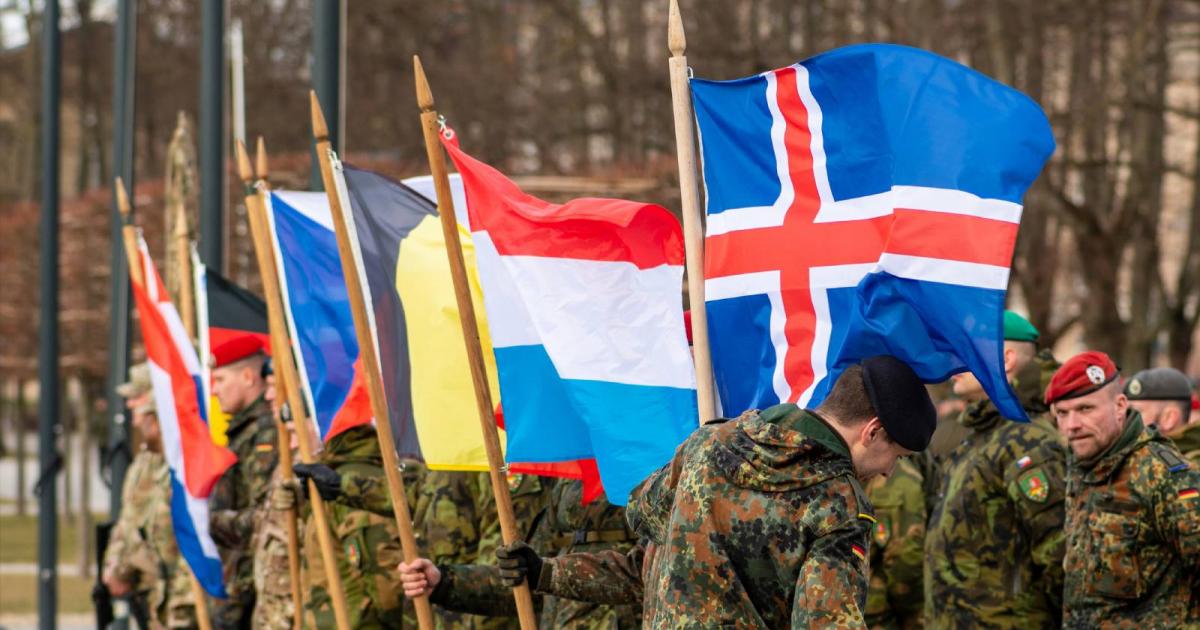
(1024, 462)
(1174, 462)
(1188, 494)
(265, 447)
(859, 552)
(1035, 486)
(883, 532)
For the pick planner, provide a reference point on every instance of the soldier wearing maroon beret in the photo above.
(239, 384)
(1133, 508)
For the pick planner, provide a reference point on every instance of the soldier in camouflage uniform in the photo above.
(894, 599)
(238, 384)
(350, 477)
(1163, 396)
(1133, 508)
(763, 522)
(569, 526)
(142, 559)
(994, 544)
(457, 524)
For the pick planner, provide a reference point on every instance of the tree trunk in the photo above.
(22, 452)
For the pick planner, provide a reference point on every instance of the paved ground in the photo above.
(29, 622)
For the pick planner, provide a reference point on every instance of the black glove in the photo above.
(517, 562)
(329, 483)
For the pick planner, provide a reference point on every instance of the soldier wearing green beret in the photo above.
(994, 544)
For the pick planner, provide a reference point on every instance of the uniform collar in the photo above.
(246, 416)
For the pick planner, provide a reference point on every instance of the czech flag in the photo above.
(179, 395)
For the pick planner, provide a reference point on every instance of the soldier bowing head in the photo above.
(882, 410)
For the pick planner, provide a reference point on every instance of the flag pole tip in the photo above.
(122, 199)
(243, 163)
(424, 94)
(320, 130)
(260, 159)
(676, 42)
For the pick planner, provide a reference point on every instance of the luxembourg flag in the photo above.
(587, 327)
(179, 395)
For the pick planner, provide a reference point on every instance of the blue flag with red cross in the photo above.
(865, 201)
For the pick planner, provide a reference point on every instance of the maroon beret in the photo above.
(236, 349)
(1082, 374)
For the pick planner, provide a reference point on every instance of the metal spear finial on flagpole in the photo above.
(286, 388)
(466, 315)
(129, 233)
(286, 367)
(693, 226)
(367, 350)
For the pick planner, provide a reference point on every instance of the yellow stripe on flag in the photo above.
(218, 421)
(442, 395)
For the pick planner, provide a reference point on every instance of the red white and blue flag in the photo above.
(861, 202)
(586, 325)
(180, 399)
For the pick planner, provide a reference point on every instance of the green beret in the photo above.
(1017, 328)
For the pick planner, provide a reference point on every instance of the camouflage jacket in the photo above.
(1133, 528)
(894, 599)
(994, 544)
(128, 557)
(367, 544)
(235, 499)
(757, 523)
(567, 527)
(457, 524)
(1187, 440)
(273, 605)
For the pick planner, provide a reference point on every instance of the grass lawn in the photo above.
(18, 539)
(18, 594)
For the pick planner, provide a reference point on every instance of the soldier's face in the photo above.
(873, 453)
(1092, 423)
(236, 386)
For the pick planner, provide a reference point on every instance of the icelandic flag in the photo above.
(864, 201)
(179, 396)
(586, 321)
(317, 307)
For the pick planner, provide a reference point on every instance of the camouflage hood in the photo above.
(357, 445)
(780, 449)
(1029, 383)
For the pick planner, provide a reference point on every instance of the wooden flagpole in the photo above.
(130, 237)
(279, 353)
(368, 353)
(285, 367)
(693, 228)
(466, 315)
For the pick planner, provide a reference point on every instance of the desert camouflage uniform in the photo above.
(895, 598)
(569, 527)
(127, 556)
(994, 544)
(273, 606)
(1187, 440)
(142, 550)
(366, 541)
(758, 523)
(1133, 535)
(234, 502)
(457, 524)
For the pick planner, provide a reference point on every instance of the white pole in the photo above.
(236, 59)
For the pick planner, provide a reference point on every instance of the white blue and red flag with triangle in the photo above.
(865, 201)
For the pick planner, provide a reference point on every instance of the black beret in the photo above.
(900, 401)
